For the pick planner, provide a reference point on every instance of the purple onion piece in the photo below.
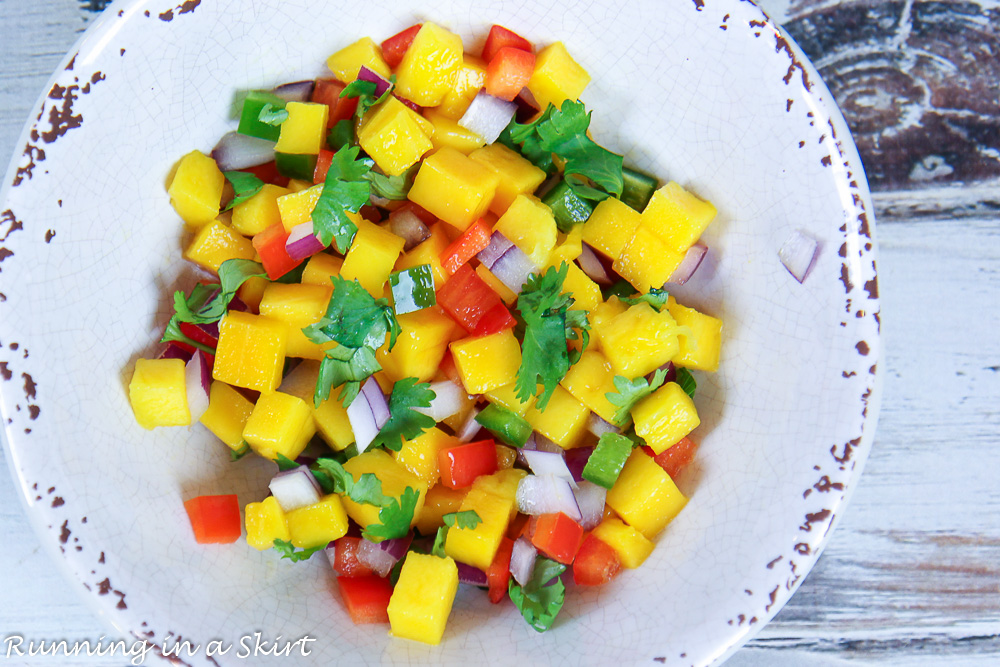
(296, 91)
(488, 116)
(175, 351)
(513, 268)
(331, 554)
(499, 244)
(371, 554)
(367, 413)
(591, 264)
(236, 304)
(690, 263)
(376, 399)
(467, 574)
(211, 328)
(576, 459)
(527, 106)
(590, 498)
(238, 151)
(522, 560)
(396, 547)
(381, 85)
(198, 380)
(798, 254)
(599, 427)
(302, 243)
(408, 226)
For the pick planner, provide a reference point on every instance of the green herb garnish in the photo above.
(686, 380)
(288, 550)
(245, 186)
(465, 520)
(539, 601)
(346, 188)
(631, 392)
(271, 115)
(405, 423)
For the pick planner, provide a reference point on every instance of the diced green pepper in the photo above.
(568, 208)
(608, 459)
(511, 428)
(294, 165)
(250, 123)
(639, 188)
(413, 289)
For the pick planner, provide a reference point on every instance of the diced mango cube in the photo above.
(507, 397)
(296, 208)
(317, 524)
(611, 226)
(518, 176)
(373, 253)
(564, 420)
(260, 211)
(677, 216)
(279, 424)
(447, 132)
(568, 247)
(346, 63)
(502, 483)
(630, 545)
(665, 416)
(699, 349)
(304, 131)
(420, 455)
(330, 417)
(529, 224)
(645, 496)
(420, 346)
(493, 500)
(557, 76)
(469, 80)
(196, 189)
(265, 522)
(638, 341)
(487, 362)
(298, 306)
(589, 380)
(422, 598)
(606, 311)
(158, 393)
(216, 242)
(394, 477)
(395, 136)
(440, 501)
(586, 293)
(227, 414)
(646, 261)
(320, 268)
(251, 351)
(454, 187)
(428, 252)
(428, 69)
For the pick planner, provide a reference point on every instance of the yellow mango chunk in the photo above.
(631, 546)
(638, 341)
(492, 497)
(428, 69)
(645, 496)
(428, 252)
(196, 189)
(665, 416)
(606, 311)
(453, 187)
(320, 268)
(279, 424)
(260, 211)
(646, 261)
(158, 393)
(395, 136)
(507, 397)
(304, 131)
(487, 362)
(420, 346)
(469, 80)
(589, 380)
(394, 477)
(611, 225)
(502, 483)
(568, 247)
(517, 175)
(251, 351)
(373, 253)
(252, 290)
(296, 208)
(422, 598)
(227, 414)
(420, 455)
(265, 523)
(586, 292)
(216, 242)
(440, 501)
(677, 216)
(507, 295)
(699, 349)
(557, 76)
(330, 417)
(298, 306)
(347, 62)
(564, 420)
(447, 132)
(529, 224)
(317, 524)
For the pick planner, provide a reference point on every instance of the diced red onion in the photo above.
(468, 574)
(236, 304)
(410, 103)
(547, 494)
(238, 151)
(302, 243)
(522, 560)
(295, 488)
(671, 375)
(175, 351)
(396, 547)
(211, 329)
(592, 265)
(549, 463)
(513, 268)
(381, 85)
(590, 498)
(448, 399)
(576, 459)
(407, 225)
(499, 244)
(470, 427)
(599, 427)
(296, 91)
(798, 254)
(198, 381)
(527, 106)
(379, 560)
(367, 413)
(690, 263)
(488, 116)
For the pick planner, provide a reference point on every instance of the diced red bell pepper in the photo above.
(675, 458)
(394, 48)
(468, 245)
(327, 91)
(508, 72)
(215, 519)
(474, 304)
(268, 172)
(366, 597)
(501, 37)
(199, 335)
(270, 245)
(461, 465)
(518, 526)
(345, 559)
(498, 575)
(558, 537)
(323, 162)
(371, 213)
(596, 563)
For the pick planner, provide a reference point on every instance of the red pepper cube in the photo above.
(327, 91)
(268, 172)
(366, 598)
(474, 304)
(323, 162)
(345, 559)
(558, 537)
(508, 72)
(215, 519)
(498, 575)
(676, 457)
(461, 465)
(394, 48)
(270, 245)
(596, 563)
(472, 241)
(501, 37)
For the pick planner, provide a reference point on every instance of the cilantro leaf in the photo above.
(438, 548)
(656, 298)
(539, 601)
(547, 327)
(391, 187)
(367, 490)
(173, 332)
(288, 550)
(394, 518)
(631, 392)
(239, 452)
(285, 463)
(365, 92)
(466, 519)
(269, 115)
(686, 380)
(345, 189)
(345, 367)
(245, 186)
(405, 423)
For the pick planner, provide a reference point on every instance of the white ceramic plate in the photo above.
(709, 93)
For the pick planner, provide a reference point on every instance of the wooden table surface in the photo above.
(912, 574)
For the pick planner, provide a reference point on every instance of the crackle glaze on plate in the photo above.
(706, 92)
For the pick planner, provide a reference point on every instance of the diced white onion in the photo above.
(197, 380)
(549, 463)
(546, 494)
(295, 488)
(798, 254)
(599, 426)
(238, 151)
(371, 554)
(522, 560)
(367, 413)
(590, 498)
(470, 427)
(488, 116)
(448, 400)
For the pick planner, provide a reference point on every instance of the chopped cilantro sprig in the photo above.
(405, 423)
(539, 601)
(631, 392)
(395, 514)
(288, 550)
(346, 189)
(245, 186)
(464, 520)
